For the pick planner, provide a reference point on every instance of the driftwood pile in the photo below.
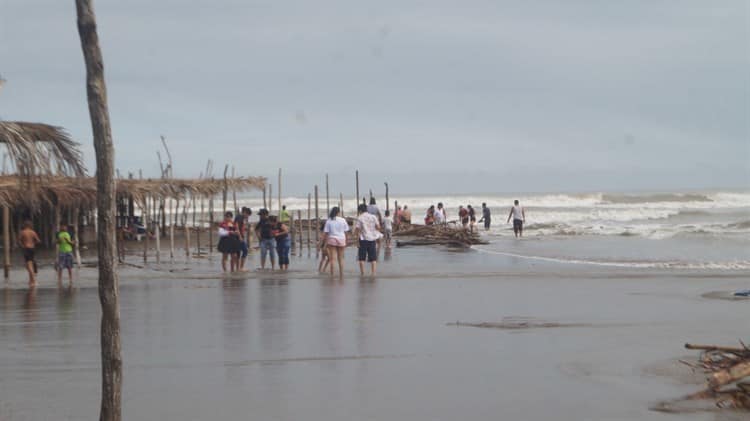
(422, 235)
(728, 375)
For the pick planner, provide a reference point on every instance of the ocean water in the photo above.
(702, 230)
(671, 231)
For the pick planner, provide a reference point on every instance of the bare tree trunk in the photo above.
(111, 403)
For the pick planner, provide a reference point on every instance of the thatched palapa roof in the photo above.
(36, 148)
(81, 191)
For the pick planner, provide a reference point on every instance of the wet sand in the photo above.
(601, 343)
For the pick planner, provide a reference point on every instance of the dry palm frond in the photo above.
(36, 148)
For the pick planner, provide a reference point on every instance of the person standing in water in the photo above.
(486, 217)
(388, 229)
(472, 217)
(27, 240)
(335, 234)
(519, 217)
(263, 231)
(368, 229)
(284, 217)
(65, 253)
(283, 242)
(440, 216)
(406, 215)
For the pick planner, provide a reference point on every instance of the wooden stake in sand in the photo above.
(77, 242)
(264, 199)
(317, 216)
(328, 202)
(270, 197)
(279, 193)
(146, 225)
(210, 225)
(224, 191)
(356, 178)
(341, 204)
(309, 222)
(387, 200)
(200, 224)
(157, 234)
(299, 218)
(6, 241)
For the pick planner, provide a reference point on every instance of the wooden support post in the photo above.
(328, 202)
(317, 217)
(387, 200)
(77, 242)
(200, 224)
(279, 189)
(224, 191)
(356, 197)
(146, 225)
(309, 222)
(6, 241)
(210, 225)
(265, 205)
(299, 218)
(292, 237)
(341, 204)
(157, 235)
(234, 194)
(187, 230)
(270, 198)
(171, 241)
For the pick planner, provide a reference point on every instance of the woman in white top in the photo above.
(335, 236)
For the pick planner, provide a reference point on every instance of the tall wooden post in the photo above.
(265, 205)
(328, 202)
(187, 229)
(279, 190)
(6, 241)
(299, 218)
(200, 224)
(387, 200)
(111, 401)
(270, 197)
(157, 235)
(224, 191)
(234, 193)
(356, 201)
(210, 225)
(309, 222)
(317, 217)
(341, 204)
(145, 222)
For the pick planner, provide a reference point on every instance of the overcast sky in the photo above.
(434, 96)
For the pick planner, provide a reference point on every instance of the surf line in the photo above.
(575, 261)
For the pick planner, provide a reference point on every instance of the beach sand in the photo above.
(565, 341)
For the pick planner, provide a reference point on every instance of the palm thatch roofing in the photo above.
(35, 192)
(37, 149)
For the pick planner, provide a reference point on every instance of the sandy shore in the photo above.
(587, 342)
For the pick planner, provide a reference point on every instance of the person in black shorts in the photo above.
(27, 240)
(519, 217)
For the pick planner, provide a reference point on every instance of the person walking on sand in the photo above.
(335, 231)
(264, 233)
(27, 240)
(283, 242)
(387, 229)
(65, 253)
(519, 217)
(486, 217)
(368, 229)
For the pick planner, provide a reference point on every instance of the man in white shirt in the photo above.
(440, 217)
(368, 229)
(519, 217)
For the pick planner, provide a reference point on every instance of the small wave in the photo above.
(676, 265)
(654, 198)
(740, 225)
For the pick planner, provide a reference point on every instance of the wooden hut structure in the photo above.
(45, 181)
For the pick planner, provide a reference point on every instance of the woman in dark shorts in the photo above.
(283, 241)
(230, 243)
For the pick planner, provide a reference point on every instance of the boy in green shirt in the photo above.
(65, 253)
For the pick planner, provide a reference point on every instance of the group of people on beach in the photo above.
(28, 239)
(271, 231)
(467, 216)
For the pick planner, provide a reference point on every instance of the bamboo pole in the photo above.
(157, 235)
(317, 218)
(200, 224)
(299, 218)
(77, 242)
(210, 225)
(145, 224)
(6, 241)
(387, 200)
(224, 191)
(356, 177)
(309, 222)
(270, 198)
(234, 194)
(328, 203)
(187, 229)
(292, 237)
(341, 204)
(279, 190)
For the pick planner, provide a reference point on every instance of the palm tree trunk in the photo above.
(105, 201)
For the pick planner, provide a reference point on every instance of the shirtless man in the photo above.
(27, 240)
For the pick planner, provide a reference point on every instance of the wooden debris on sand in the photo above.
(438, 234)
(727, 372)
